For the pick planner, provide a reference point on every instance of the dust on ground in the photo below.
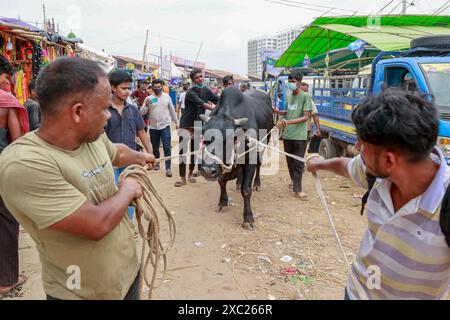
(215, 258)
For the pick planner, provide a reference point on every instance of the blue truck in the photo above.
(424, 68)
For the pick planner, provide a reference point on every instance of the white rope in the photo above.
(330, 218)
(319, 191)
(258, 144)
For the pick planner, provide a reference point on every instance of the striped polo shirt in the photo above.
(403, 254)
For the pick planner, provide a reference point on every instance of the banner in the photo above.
(269, 58)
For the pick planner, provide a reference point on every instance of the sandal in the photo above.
(301, 195)
(192, 180)
(180, 183)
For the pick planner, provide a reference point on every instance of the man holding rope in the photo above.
(404, 254)
(295, 136)
(58, 182)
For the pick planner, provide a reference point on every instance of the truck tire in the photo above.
(434, 42)
(329, 149)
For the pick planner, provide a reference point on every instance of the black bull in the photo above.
(248, 112)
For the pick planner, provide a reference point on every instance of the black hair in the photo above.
(194, 72)
(227, 79)
(398, 120)
(64, 77)
(296, 75)
(156, 81)
(117, 77)
(6, 66)
(32, 85)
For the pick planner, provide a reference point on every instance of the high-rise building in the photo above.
(279, 42)
(255, 47)
(286, 37)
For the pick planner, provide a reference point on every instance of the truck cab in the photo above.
(422, 70)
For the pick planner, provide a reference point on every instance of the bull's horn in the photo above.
(240, 122)
(205, 118)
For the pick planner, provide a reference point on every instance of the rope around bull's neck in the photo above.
(259, 144)
(146, 207)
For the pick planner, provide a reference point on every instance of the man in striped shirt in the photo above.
(403, 254)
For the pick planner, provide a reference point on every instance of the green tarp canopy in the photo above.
(385, 33)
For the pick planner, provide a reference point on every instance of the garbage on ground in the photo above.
(287, 259)
(288, 271)
(226, 260)
(264, 258)
(199, 244)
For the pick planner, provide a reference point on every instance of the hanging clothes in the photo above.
(18, 86)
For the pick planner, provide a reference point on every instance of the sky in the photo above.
(216, 30)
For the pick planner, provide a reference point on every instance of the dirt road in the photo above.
(215, 258)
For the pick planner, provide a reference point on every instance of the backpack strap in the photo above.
(444, 218)
(370, 182)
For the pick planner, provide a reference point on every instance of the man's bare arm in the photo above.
(94, 222)
(126, 156)
(336, 165)
(145, 140)
(14, 128)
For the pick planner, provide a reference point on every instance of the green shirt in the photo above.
(41, 185)
(296, 106)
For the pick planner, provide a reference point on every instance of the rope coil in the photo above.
(146, 207)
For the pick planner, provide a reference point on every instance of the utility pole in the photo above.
(160, 57)
(170, 65)
(145, 51)
(45, 19)
(404, 6)
(198, 53)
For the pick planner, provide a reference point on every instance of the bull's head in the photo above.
(219, 138)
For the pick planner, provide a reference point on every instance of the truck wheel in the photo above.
(434, 42)
(329, 149)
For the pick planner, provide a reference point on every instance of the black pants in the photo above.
(164, 135)
(298, 148)
(183, 149)
(132, 294)
(314, 143)
(9, 247)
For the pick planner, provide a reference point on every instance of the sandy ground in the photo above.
(215, 258)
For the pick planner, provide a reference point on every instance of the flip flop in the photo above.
(180, 183)
(301, 195)
(192, 180)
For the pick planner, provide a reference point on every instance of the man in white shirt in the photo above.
(181, 100)
(161, 111)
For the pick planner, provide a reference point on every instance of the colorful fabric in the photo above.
(7, 100)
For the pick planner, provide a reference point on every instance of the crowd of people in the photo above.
(60, 181)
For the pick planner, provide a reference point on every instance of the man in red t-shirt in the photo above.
(140, 94)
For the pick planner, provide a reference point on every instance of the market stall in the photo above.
(29, 49)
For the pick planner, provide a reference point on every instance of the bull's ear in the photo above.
(205, 118)
(240, 122)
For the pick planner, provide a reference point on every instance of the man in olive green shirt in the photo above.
(295, 136)
(58, 182)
